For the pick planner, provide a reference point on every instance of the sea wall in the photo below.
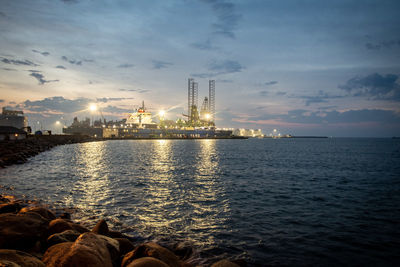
(34, 235)
(18, 151)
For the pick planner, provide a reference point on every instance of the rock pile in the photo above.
(18, 151)
(34, 236)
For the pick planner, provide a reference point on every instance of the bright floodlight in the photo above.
(208, 116)
(93, 107)
(58, 122)
(161, 113)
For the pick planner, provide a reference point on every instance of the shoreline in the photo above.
(31, 232)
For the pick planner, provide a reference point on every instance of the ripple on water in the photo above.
(275, 202)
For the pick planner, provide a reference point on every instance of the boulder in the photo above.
(224, 263)
(45, 213)
(9, 207)
(66, 236)
(112, 246)
(101, 228)
(22, 231)
(152, 250)
(88, 250)
(9, 257)
(61, 225)
(147, 262)
(124, 245)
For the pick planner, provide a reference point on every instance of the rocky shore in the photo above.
(18, 151)
(33, 235)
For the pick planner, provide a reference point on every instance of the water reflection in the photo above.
(207, 197)
(155, 213)
(92, 190)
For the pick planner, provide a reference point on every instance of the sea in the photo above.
(271, 202)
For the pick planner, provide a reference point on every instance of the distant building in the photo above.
(11, 133)
(14, 118)
(248, 132)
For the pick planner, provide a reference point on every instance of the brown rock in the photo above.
(61, 225)
(9, 207)
(88, 250)
(152, 250)
(112, 246)
(45, 213)
(101, 228)
(10, 257)
(124, 245)
(147, 262)
(66, 236)
(115, 234)
(22, 231)
(224, 263)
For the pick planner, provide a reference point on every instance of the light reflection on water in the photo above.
(92, 189)
(318, 201)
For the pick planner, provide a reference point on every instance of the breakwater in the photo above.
(18, 151)
(34, 235)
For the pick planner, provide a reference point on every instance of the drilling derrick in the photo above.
(204, 112)
(211, 103)
(193, 115)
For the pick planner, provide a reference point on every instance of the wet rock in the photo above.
(45, 213)
(224, 263)
(183, 251)
(88, 250)
(152, 250)
(101, 228)
(66, 236)
(124, 245)
(61, 225)
(10, 257)
(147, 262)
(22, 231)
(115, 234)
(112, 246)
(9, 207)
(66, 216)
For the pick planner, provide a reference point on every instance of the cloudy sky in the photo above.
(303, 67)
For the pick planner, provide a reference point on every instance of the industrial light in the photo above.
(161, 113)
(58, 122)
(208, 116)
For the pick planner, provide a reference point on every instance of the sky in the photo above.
(302, 67)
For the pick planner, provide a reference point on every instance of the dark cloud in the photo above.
(374, 86)
(227, 18)
(70, 1)
(280, 93)
(224, 81)
(141, 91)
(61, 67)
(157, 64)
(18, 62)
(219, 68)
(126, 65)
(42, 53)
(8, 69)
(320, 97)
(204, 45)
(72, 61)
(263, 93)
(226, 66)
(1, 100)
(270, 83)
(383, 44)
(12, 103)
(40, 77)
(108, 99)
(116, 110)
(57, 104)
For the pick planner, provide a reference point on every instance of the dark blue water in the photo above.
(270, 201)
